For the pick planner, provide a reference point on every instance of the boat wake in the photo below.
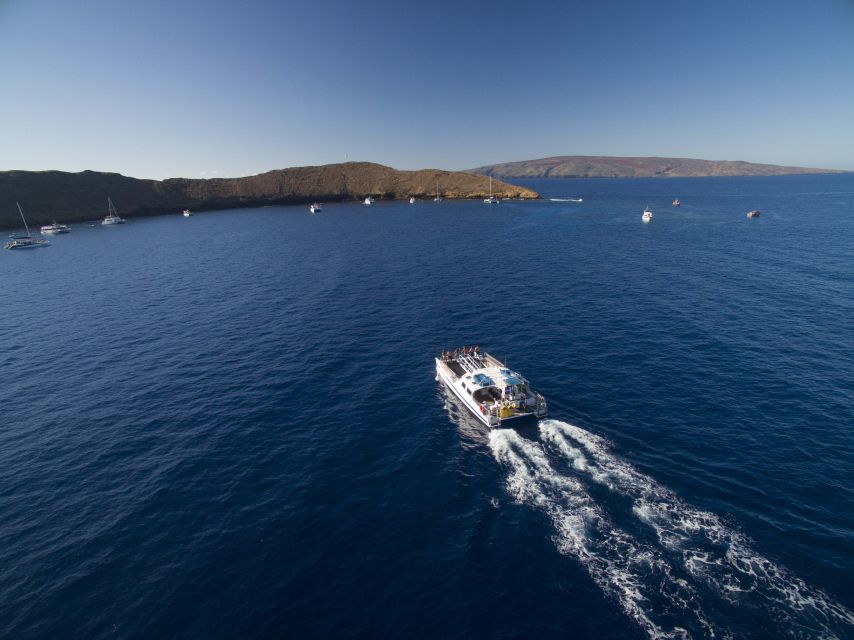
(674, 569)
(567, 199)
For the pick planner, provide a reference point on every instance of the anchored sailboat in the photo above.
(27, 241)
(491, 199)
(112, 216)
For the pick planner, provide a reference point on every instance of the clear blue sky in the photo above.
(158, 89)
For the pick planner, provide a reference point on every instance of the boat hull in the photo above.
(474, 409)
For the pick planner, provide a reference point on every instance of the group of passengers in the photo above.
(473, 352)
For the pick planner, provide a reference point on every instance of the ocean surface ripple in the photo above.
(228, 425)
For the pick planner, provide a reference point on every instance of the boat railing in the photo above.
(470, 363)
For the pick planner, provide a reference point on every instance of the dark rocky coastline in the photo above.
(49, 196)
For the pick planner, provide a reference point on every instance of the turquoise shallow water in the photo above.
(228, 425)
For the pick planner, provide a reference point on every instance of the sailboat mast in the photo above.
(21, 211)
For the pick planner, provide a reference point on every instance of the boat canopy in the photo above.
(482, 380)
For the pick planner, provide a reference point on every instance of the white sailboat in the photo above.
(112, 217)
(27, 241)
(491, 199)
(437, 198)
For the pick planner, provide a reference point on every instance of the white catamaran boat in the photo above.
(647, 215)
(491, 199)
(494, 394)
(55, 229)
(315, 208)
(27, 241)
(437, 198)
(112, 216)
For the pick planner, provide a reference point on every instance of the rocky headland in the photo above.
(617, 167)
(73, 197)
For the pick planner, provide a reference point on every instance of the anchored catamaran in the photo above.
(493, 393)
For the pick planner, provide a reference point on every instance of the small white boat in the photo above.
(493, 394)
(753, 214)
(676, 202)
(316, 208)
(27, 241)
(491, 199)
(55, 229)
(567, 199)
(112, 217)
(647, 215)
(369, 200)
(437, 198)
(186, 213)
(412, 200)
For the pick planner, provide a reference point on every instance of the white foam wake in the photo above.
(710, 550)
(634, 574)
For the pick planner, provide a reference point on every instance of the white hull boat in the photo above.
(647, 215)
(24, 242)
(55, 229)
(494, 394)
(491, 199)
(186, 213)
(112, 217)
(369, 200)
(315, 208)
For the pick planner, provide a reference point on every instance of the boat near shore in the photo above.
(55, 229)
(112, 215)
(494, 394)
(647, 215)
(26, 241)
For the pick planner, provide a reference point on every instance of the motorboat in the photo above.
(412, 200)
(55, 229)
(753, 214)
(494, 394)
(369, 200)
(647, 215)
(491, 199)
(676, 202)
(316, 208)
(112, 217)
(186, 213)
(24, 241)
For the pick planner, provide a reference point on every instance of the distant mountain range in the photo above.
(615, 167)
(73, 197)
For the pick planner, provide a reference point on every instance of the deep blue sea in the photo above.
(228, 426)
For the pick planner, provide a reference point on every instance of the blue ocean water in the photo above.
(228, 425)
